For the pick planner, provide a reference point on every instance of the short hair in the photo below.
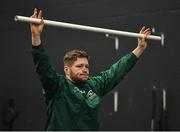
(71, 56)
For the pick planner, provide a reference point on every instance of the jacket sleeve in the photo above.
(108, 79)
(47, 74)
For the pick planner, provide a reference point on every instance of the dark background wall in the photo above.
(159, 66)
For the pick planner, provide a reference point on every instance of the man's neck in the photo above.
(75, 82)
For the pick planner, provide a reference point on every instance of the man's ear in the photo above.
(66, 70)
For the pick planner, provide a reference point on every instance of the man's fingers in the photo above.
(145, 35)
(42, 20)
(147, 30)
(40, 14)
(34, 15)
(35, 11)
(142, 30)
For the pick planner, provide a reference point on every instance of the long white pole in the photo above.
(86, 28)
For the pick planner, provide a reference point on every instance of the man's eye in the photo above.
(79, 66)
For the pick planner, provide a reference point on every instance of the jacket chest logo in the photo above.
(90, 94)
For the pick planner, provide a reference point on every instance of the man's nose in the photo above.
(85, 69)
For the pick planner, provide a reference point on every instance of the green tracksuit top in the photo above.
(71, 106)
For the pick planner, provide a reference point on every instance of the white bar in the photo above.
(164, 99)
(86, 28)
(115, 101)
(152, 125)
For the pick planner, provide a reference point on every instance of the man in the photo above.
(73, 100)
